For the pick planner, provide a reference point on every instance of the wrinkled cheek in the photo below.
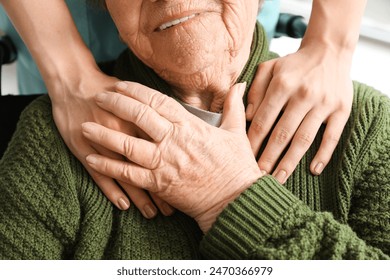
(144, 49)
(238, 19)
(141, 47)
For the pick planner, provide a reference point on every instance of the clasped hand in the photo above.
(195, 167)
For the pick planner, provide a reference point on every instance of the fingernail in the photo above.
(319, 168)
(123, 204)
(91, 159)
(121, 85)
(100, 97)
(149, 211)
(263, 173)
(281, 176)
(167, 210)
(249, 111)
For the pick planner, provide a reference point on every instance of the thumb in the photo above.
(233, 118)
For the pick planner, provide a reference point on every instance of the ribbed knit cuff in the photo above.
(248, 221)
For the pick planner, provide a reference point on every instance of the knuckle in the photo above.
(332, 139)
(267, 161)
(115, 100)
(258, 126)
(281, 136)
(102, 135)
(281, 82)
(128, 148)
(278, 66)
(141, 114)
(318, 116)
(265, 67)
(305, 92)
(148, 180)
(328, 102)
(136, 88)
(156, 160)
(103, 168)
(304, 139)
(125, 173)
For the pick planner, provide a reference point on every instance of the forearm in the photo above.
(335, 24)
(48, 30)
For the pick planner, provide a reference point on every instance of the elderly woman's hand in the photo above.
(195, 167)
(309, 87)
(73, 104)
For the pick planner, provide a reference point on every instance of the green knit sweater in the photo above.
(51, 209)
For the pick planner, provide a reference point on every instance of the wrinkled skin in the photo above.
(188, 56)
(192, 165)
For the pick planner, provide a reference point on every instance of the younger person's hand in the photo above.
(75, 104)
(306, 89)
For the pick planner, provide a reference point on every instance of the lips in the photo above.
(176, 22)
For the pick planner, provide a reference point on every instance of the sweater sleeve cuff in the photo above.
(248, 221)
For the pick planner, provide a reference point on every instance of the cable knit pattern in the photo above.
(51, 209)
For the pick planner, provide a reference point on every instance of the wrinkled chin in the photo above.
(188, 63)
(189, 48)
(187, 77)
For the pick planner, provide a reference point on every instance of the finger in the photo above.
(265, 117)
(165, 208)
(139, 197)
(130, 173)
(106, 152)
(330, 139)
(161, 103)
(110, 189)
(233, 118)
(106, 184)
(258, 88)
(141, 200)
(301, 142)
(136, 112)
(281, 135)
(137, 150)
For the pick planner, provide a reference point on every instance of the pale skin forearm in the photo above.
(335, 24)
(49, 32)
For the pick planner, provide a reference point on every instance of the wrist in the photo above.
(330, 26)
(323, 51)
(66, 73)
(326, 44)
(230, 192)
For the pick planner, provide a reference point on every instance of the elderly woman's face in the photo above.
(172, 35)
